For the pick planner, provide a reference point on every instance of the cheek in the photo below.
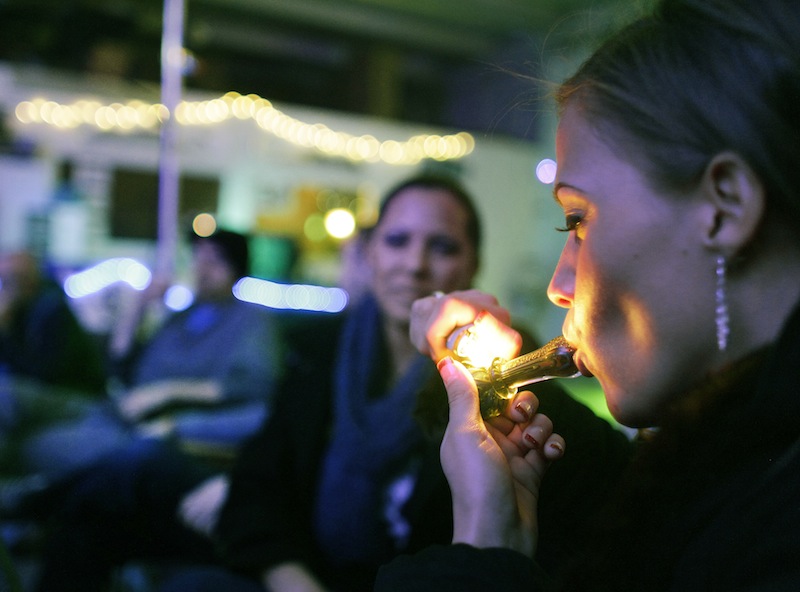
(380, 261)
(594, 295)
(612, 276)
(615, 316)
(607, 311)
(453, 273)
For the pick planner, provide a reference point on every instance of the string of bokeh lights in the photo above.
(138, 115)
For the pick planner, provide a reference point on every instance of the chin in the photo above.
(398, 315)
(623, 408)
(633, 419)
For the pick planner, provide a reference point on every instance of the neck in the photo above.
(762, 300)
(401, 350)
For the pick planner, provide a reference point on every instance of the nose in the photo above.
(416, 257)
(561, 290)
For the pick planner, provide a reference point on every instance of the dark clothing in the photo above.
(234, 343)
(51, 370)
(712, 502)
(375, 446)
(269, 515)
(122, 508)
(210, 579)
(115, 492)
(46, 342)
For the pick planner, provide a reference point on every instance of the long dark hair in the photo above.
(696, 78)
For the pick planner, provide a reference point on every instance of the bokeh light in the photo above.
(546, 171)
(204, 225)
(138, 115)
(178, 298)
(340, 223)
(314, 228)
(107, 273)
(290, 296)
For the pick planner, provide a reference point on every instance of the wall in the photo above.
(259, 177)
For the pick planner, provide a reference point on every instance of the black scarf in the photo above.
(373, 439)
(687, 476)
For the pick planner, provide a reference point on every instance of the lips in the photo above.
(581, 365)
(569, 335)
(409, 293)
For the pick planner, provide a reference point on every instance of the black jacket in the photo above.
(711, 503)
(267, 518)
(45, 341)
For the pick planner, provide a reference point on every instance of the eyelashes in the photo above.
(572, 222)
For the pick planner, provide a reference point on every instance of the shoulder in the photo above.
(732, 549)
(311, 333)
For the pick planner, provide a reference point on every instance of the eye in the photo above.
(396, 240)
(572, 222)
(445, 246)
(576, 223)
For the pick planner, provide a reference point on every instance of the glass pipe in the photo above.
(498, 380)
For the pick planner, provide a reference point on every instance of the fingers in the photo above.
(538, 448)
(522, 408)
(434, 318)
(497, 338)
(519, 410)
(526, 430)
(536, 434)
(530, 431)
(554, 447)
(478, 460)
(462, 394)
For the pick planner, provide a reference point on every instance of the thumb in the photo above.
(462, 394)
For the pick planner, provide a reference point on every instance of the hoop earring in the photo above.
(722, 317)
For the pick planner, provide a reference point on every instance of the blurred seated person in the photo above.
(51, 368)
(203, 379)
(40, 337)
(228, 352)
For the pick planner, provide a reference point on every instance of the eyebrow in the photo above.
(561, 185)
(558, 187)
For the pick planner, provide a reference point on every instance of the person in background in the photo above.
(51, 367)
(203, 378)
(193, 391)
(40, 337)
(677, 151)
(228, 353)
(345, 474)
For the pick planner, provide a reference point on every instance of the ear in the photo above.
(736, 200)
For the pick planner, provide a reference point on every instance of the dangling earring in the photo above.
(722, 318)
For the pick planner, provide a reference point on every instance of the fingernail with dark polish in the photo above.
(525, 409)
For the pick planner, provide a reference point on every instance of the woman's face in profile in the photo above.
(420, 246)
(634, 274)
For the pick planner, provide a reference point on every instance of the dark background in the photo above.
(451, 63)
